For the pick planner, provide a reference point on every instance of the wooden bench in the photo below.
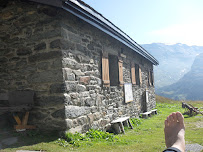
(118, 124)
(18, 102)
(148, 114)
(154, 111)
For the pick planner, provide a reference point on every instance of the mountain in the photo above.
(190, 86)
(174, 61)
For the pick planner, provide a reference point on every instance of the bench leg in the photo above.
(17, 119)
(25, 118)
(122, 128)
(131, 126)
(23, 124)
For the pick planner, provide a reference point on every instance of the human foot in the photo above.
(175, 131)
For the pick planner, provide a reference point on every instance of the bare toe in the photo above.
(180, 117)
(170, 119)
(166, 123)
(174, 117)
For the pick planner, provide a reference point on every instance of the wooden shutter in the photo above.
(105, 69)
(149, 78)
(133, 73)
(152, 76)
(140, 76)
(120, 68)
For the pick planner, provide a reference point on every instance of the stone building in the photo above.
(75, 60)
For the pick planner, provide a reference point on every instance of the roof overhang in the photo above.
(88, 14)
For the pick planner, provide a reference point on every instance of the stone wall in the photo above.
(58, 55)
(29, 60)
(88, 103)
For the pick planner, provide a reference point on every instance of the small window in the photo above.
(152, 77)
(136, 74)
(113, 70)
(149, 79)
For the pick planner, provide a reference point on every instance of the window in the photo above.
(150, 78)
(139, 75)
(136, 74)
(112, 70)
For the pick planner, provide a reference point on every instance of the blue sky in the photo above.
(155, 21)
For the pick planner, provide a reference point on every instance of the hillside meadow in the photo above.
(146, 136)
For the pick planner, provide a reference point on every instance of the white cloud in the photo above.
(188, 33)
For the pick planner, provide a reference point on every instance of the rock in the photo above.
(50, 101)
(3, 60)
(57, 88)
(75, 111)
(70, 63)
(89, 102)
(90, 46)
(43, 65)
(84, 80)
(82, 120)
(44, 56)
(21, 63)
(97, 116)
(23, 51)
(69, 123)
(81, 88)
(40, 46)
(103, 122)
(66, 72)
(74, 38)
(70, 86)
(55, 44)
(9, 141)
(45, 76)
(59, 113)
(90, 118)
(76, 129)
(57, 64)
(85, 128)
(67, 99)
(66, 45)
(78, 73)
(70, 77)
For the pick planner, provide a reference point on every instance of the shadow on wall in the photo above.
(9, 138)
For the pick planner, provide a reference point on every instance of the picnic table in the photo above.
(18, 102)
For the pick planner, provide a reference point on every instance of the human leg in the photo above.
(175, 131)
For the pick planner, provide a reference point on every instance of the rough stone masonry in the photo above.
(58, 55)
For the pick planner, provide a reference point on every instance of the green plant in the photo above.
(98, 135)
(136, 121)
(75, 139)
(62, 142)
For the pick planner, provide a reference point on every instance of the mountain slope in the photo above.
(174, 61)
(190, 86)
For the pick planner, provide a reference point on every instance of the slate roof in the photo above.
(88, 14)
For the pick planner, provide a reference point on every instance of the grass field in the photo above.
(146, 137)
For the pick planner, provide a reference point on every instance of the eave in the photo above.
(97, 20)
